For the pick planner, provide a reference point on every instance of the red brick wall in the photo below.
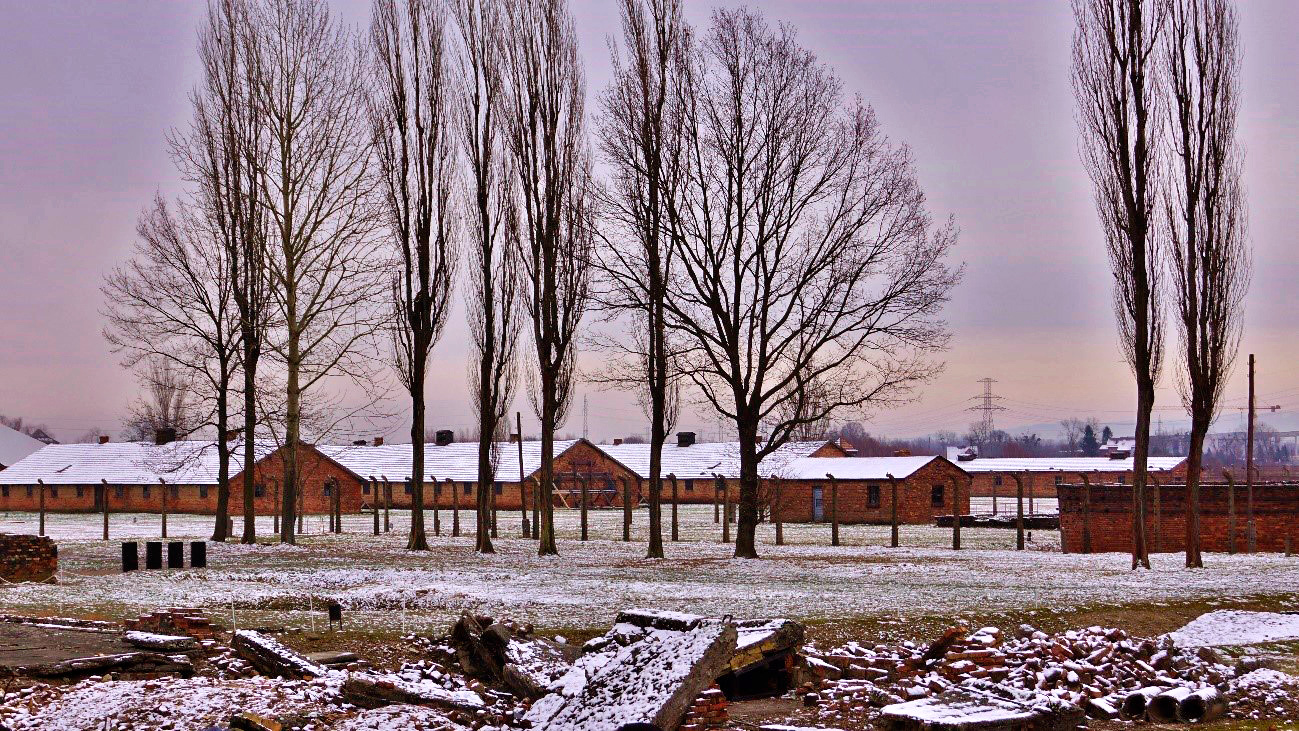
(1276, 515)
(27, 558)
(314, 470)
(1043, 484)
(915, 497)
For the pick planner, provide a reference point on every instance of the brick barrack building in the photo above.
(178, 477)
(802, 491)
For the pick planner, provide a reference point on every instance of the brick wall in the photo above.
(916, 497)
(315, 471)
(1276, 516)
(1043, 484)
(27, 558)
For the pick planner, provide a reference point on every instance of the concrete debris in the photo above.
(253, 722)
(508, 652)
(985, 706)
(162, 643)
(273, 659)
(128, 664)
(638, 672)
(369, 690)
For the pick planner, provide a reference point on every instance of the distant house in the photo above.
(135, 476)
(14, 445)
(1042, 475)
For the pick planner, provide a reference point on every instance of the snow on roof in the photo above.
(126, 463)
(702, 460)
(852, 468)
(457, 461)
(1065, 464)
(14, 445)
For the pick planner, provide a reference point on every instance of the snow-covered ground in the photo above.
(1227, 627)
(382, 585)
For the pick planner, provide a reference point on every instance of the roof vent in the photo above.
(1120, 454)
(165, 435)
(902, 453)
(103, 439)
(378, 441)
(444, 437)
(617, 441)
(514, 437)
(358, 443)
(685, 438)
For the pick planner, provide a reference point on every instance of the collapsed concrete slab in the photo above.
(638, 673)
(509, 653)
(368, 690)
(979, 705)
(272, 658)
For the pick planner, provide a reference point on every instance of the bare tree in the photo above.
(546, 92)
(1206, 213)
(306, 72)
(1118, 92)
(807, 267)
(412, 114)
(494, 283)
(222, 155)
(639, 110)
(170, 310)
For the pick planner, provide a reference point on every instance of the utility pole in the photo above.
(1249, 465)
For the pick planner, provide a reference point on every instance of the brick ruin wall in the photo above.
(27, 558)
(1276, 517)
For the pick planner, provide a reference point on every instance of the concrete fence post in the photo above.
(1087, 513)
(437, 505)
(374, 502)
(777, 512)
(1158, 513)
(726, 507)
(676, 536)
(1019, 511)
(41, 484)
(893, 510)
(1231, 512)
(387, 504)
(586, 502)
(956, 513)
(626, 510)
(104, 506)
(164, 506)
(834, 509)
(455, 507)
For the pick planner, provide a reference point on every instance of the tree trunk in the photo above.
(223, 459)
(1145, 402)
(746, 531)
(418, 540)
(1194, 462)
(545, 498)
(250, 424)
(292, 433)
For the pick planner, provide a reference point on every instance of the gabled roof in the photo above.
(1066, 464)
(131, 463)
(702, 460)
(852, 468)
(457, 461)
(126, 463)
(14, 445)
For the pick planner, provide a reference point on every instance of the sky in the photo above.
(978, 90)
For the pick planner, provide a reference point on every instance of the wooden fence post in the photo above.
(777, 506)
(716, 498)
(374, 502)
(995, 478)
(41, 499)
(337, 489)
(893, 510)
(1230, 512)
(1086, 513)
(164, 506)
(455, 508)
(675, 496)
(1019, 511)
(834, 509)
(956, 513)
(726, 507)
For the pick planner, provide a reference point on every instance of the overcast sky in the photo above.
(979, 90)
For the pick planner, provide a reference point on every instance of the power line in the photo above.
(988, 403)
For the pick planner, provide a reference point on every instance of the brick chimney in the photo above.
(514, 437)
(378, 441)
(358, 443)
(685, 438)
(444, 437)
(103, 439)
(617, 442)
(166, 435)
